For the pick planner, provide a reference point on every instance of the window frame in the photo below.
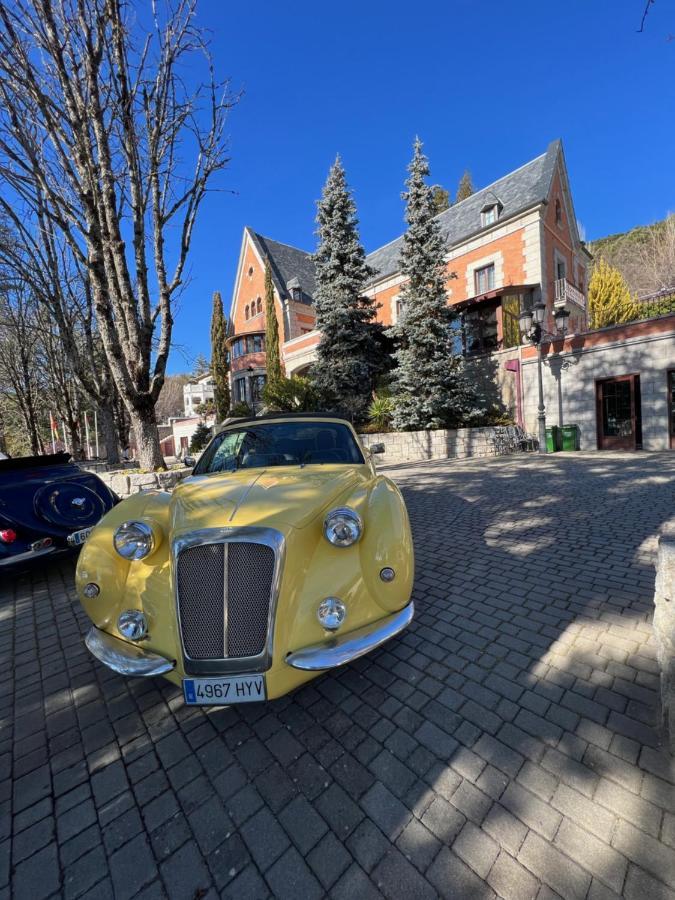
(478, 273)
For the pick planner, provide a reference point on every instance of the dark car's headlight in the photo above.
(342, 527)
(134, 540)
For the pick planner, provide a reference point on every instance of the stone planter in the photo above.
(410, 446)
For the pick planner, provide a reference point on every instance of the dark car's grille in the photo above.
(224, 593)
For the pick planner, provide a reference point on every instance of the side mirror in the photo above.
(376, 448)
(190, 462)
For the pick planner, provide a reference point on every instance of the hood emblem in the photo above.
(78, 502)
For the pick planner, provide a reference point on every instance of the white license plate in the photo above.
(224, 691)
(77, 538)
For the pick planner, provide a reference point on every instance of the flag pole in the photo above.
(98, 456)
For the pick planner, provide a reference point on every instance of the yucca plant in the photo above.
(381, 412)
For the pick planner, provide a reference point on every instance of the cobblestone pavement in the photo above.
(504, 746)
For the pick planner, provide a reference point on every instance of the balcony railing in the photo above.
(567, 293)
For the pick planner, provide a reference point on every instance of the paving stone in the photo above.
(476, 848)
(645, 851)
(131, 868)
(443, 819)
(395, 877)
(642, 886)
(355, 883)
(26, 886)
(339, 810)
(553, 868)
(593, 854)
(368, 845)
(265, 838)
(329, 859)
(386, 810)
(452, 878)
(303, 824)
(291, 877)
(510, 880)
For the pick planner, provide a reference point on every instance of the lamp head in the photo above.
(538, 313)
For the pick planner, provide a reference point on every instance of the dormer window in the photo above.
(295, 290)
(490, 213)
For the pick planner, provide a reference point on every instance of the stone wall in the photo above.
(407, 446)
(664, 627)
(124, 483)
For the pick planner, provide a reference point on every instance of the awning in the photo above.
(493, 295)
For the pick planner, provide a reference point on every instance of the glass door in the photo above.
(617, 426)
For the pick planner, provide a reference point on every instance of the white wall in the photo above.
(569, 382)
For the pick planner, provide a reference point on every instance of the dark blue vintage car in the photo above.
(47, 506)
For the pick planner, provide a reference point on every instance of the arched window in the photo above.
(246, 311)
(259, 304)
(558, 212)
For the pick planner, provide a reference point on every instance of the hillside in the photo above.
(645, 255)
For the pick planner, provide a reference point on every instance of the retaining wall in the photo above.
(408, 446)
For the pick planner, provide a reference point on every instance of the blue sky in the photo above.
(485, 83)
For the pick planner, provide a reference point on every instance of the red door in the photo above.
(616, 413)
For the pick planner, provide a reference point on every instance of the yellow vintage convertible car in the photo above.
(284, 554)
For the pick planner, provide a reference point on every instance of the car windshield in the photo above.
(280, 444)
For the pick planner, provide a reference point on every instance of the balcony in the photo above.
(566, 293)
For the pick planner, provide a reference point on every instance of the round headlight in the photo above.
(331, 613)
(132, 625)
(133, 540)
(342, 527)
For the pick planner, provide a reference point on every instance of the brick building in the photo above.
(509, 245)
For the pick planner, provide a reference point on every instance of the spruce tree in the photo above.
(609, 297)
(430, 387)
(220, 366)
(273, 360)
(349, 355)
(465, 188)
(441, 198)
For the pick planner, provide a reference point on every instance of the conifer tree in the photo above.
(609, 297)
(220, 366)
(272, 356)
(465, 188)
(441, 198)
(349, 355)
(429, 385)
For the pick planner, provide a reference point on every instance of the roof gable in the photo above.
(287, 264)
(516, 192)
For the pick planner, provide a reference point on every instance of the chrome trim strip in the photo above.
(255, 535)
(32, 554)
(337, 651)
(127, 659)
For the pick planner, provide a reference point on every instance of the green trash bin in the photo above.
(553, 440)
(570, 437)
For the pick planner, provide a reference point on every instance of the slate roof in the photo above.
(287, 263)
(517, 191)
(526, 187)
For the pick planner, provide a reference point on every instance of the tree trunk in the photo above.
(148, 451)
(106, 422)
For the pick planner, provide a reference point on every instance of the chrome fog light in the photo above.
(133, 540)
(387, 574)
(91, 590)
(132, 625)
(342, 527)
(331, 613)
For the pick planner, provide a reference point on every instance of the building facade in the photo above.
(510, 245)
(196, 394)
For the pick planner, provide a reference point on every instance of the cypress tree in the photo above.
(220, 366)
(349, 355)
(272, 356)
(429, 385)
(465, 187)
(609, 297)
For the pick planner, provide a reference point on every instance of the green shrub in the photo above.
(381, 411)
(294, 394)
(241, 409)
(200, 438)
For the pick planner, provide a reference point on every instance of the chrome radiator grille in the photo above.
(224, 593)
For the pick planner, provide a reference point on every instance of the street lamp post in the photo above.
(531, 323)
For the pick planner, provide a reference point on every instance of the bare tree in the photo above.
(20, 375)
(171, 401)
(98, 116)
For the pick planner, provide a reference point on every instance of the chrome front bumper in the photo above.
(125, 658)
(340, 650)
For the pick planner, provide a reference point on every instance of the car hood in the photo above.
(282, 495)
